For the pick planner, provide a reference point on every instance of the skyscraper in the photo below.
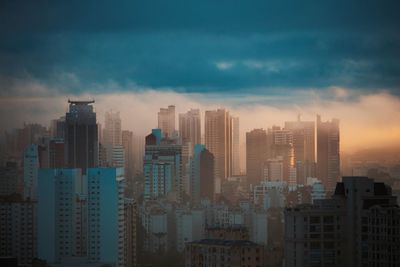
(303, 133)
(218, 140)
(81, 137)
(190, 127)
(235, 146)
(201, 174)
(112, 129)
(31, 166)
(112, 140)
(256, 155)
(166, 120)
(127, 143)
(328, 152)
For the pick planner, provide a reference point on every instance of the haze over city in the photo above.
(261, 133)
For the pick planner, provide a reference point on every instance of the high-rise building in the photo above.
(138, 153)
(112, 140)
(81, 217)
(127, 143)
(130, 216)
(358, 226)
(162, 167)
(256, 155)
(11, 181)
(106, 221)
(303, 133)
(166, 121)
(62, 220)
(328, 153)
(190, 127)
(201, 174)
(31, 166)
(235, 146)
(218, 140)
(112, 134)
(18, 233)
(81, 136)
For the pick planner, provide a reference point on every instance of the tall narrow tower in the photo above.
(81, 138)
(328, 153)
(218, 139)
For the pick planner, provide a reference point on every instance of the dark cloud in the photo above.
(201, 46)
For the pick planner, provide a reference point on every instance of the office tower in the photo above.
(282, 148)
(106, 224)
(201, 174)
(81, 217)
(166, 121)
(112, 129)
(61, 214)
(218, 140)
(256, 155)
(130, 216)
(31, 166)
(18, 230)
(127, 143)
(162, 167)
(358, 226)
(81, 136)
(303, 133)
(11, 181)
(112, 140)
(217, 252)
(190, 127)
(328, 153)
(235, 146)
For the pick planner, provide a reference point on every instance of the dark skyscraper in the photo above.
(256, 155)
(81, 138)
(328, 154)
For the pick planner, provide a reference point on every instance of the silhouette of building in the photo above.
(328, 153)
(201, 174)
(358, 226)
(81, 136)
(166, 121)
(256, 155)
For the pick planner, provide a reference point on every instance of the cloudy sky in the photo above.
(264, 60)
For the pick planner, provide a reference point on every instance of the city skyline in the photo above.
(229, 133)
